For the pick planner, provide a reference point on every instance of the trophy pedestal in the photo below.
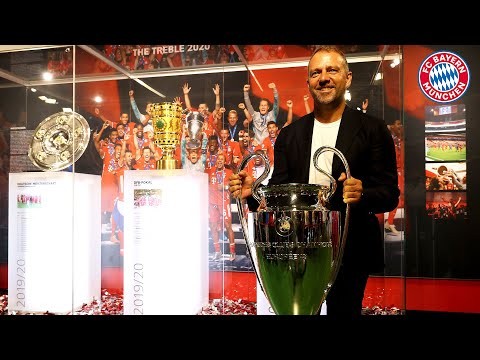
(166, 242)
(54, 260)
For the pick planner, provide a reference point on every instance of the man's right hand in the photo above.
(240, 185)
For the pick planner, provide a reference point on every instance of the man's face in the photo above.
(118, 151)
(128, 157)
(193, 156)
(140, 131)
(258, 161)
(124, 119)
(220, 161)
(272, 130)
(246, 139)
(212, 146)
(328, 78)
(147, 154)
(263, 107)
(113, 136)
(224, 135)
(397, 127)
(120, 130)
(232, 119)
(148, 108)
(202, 108)
(241, 134)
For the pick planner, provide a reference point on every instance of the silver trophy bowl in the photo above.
(195, 121)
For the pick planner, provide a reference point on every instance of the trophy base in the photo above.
(166, 164)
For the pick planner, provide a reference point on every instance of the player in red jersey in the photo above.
(219, 205)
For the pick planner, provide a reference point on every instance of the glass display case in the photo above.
(70, 220)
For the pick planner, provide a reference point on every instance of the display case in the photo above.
(110, 84)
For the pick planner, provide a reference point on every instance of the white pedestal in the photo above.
(54, 261)
(166, 242)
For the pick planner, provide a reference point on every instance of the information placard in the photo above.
(53, 241)
(166, 242)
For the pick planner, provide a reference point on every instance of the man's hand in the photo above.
(240, 185)
(352, 189)
(365, 105)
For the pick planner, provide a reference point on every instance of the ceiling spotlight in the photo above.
(33, 90)
(51, 101)
(378, 76)
(47, 76)
(42, 97)
(395, 62)
(98, 99)
(67, 110)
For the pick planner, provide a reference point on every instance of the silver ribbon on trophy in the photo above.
(59, 141)
(195, 121)
(294, 240)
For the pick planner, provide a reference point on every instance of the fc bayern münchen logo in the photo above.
(443, 77)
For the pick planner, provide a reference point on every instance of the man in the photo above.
(261, 117)
(212, 125)
(231, 150)
(145, 119)
(193, 159)
(368, 148)
(396, 129)
(220, 212)
(234, 126)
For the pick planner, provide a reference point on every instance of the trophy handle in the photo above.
(333, 187)
(243, 220)
(262, 177)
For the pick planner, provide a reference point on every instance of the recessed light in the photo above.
(47, 76)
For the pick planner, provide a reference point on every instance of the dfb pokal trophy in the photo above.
(167, 126)
(195, 121)
(294, 240)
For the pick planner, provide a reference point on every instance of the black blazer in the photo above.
(367, 145)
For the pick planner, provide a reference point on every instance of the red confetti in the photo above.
(112, 304)
(229, 307)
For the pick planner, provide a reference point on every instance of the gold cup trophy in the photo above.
(167, 126)
(294, 241)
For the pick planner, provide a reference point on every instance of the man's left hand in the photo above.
(352, 189)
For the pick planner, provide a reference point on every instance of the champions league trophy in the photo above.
(195, 121)
(59, 141)
(167, 125)
(295, 242)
